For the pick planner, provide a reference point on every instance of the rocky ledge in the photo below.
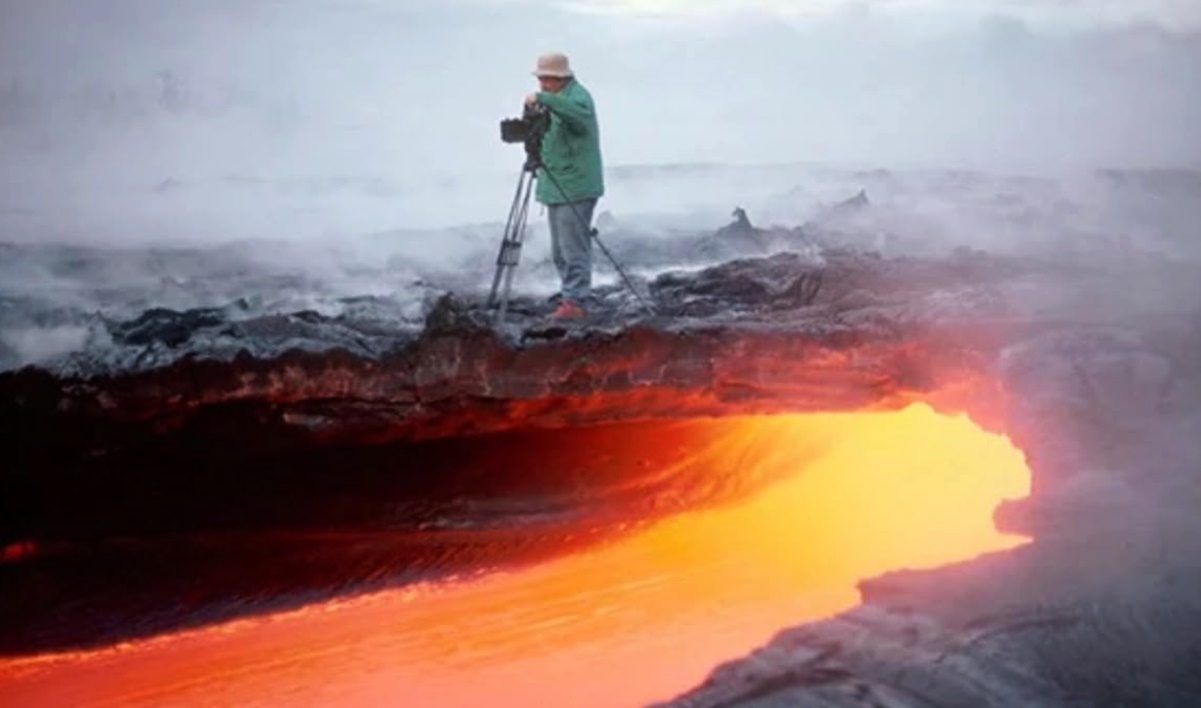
(782, 332)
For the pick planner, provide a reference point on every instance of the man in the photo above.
(570, 181)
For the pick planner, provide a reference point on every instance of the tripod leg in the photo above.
(511, 235)
(515, 238)
(621, 271)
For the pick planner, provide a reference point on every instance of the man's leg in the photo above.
(575, 246)
(554, 217)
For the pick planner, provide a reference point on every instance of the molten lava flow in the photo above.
(635, 620)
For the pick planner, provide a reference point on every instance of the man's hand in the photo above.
(531, 99)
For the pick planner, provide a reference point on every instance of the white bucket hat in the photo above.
(554, 65)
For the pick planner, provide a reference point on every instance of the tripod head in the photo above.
(529, 129)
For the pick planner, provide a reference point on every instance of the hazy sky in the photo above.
(387, 86)
(1181, 15)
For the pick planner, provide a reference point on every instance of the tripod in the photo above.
(510, 245)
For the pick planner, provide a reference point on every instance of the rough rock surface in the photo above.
(769, 333)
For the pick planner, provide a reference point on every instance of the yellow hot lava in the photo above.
(637, 620)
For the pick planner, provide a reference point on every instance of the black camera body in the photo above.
(528, 129)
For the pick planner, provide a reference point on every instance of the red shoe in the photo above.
(568, 310)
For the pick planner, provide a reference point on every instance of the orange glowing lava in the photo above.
(640, 619)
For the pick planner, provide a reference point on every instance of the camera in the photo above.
(528, 129)
(531, 125)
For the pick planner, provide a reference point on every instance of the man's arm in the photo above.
(575, 114)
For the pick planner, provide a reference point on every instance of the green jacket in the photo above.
(571, 147)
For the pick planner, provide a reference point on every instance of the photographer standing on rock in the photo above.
(570, 180)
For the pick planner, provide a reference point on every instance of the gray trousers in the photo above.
(571, 247)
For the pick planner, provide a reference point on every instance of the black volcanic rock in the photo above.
(859, 328)
(718, 330)
(785, 280)
(169, 327)
(451, 316)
